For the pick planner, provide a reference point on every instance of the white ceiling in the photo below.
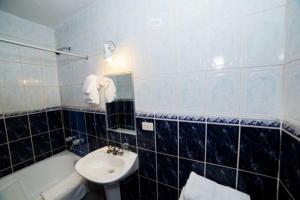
(46, 12)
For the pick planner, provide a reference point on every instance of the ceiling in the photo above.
(46, 12)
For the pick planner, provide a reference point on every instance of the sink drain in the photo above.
(110, 171)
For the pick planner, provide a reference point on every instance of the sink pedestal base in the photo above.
(112, 191)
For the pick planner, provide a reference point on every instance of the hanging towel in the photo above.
(198, 187)
(72, 187)
(91, 90)
(109, 89)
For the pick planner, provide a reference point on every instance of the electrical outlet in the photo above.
(147, 126)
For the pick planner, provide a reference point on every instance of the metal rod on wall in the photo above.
(42, 48)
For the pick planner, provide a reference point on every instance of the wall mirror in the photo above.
(120, 112)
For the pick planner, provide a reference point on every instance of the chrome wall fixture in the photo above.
(43, 49)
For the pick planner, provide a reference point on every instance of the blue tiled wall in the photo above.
(243, 154)
(26, 138)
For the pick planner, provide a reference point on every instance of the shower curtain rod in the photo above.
(42, 48)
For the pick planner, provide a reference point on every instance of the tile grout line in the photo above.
(8, 146)
(49, 133)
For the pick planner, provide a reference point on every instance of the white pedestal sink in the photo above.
(107, 169)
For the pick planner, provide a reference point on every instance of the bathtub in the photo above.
(28, 183)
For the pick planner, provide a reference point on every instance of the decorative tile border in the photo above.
(84, 109)
(192, 118)
(223, 120)
(144, 114)
(165, 116)
(292, 129)
(257, 122)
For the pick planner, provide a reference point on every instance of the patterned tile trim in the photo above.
(165, 116)
(288, 127)
(257, 122)
(192, 118)
(223, 120)
(83, 109)
(144, 114)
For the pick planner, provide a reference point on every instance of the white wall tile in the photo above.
(223, 92)
(36, 97)
(32, 75)
(293, 30)
(262, 92)
(11, 74)
(9, 52)
(263, 38)
(53, 96)
(192, 93)
(50, 77)
(13, 99)
(292, 89)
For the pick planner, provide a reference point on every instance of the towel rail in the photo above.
(42, 48)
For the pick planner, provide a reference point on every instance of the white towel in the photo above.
(72, 187)
(109, 89)
(91, 90)
(198, 187)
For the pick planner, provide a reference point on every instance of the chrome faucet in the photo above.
(116, 150)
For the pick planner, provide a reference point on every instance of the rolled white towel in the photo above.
(227, 193)
(91, 89)
(198, 187)
(73, 187)
(110, 90)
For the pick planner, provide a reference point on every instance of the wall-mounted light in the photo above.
(109, 48)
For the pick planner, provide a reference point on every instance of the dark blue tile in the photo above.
(3, 138)
(259, 150)
(17, 127)
(130, 188)
(56, 151)
(165, 192)
(116, 144)
(283, 194)
(290, 164)
(4, 157)
(258, 187)
(114, 136)
(186, 167)
(38, 123)
(73, 120)
(147, 163)
(112, 121)
(129, 139)
(81, 122)
(57, 138)
(102, 142)
(192, 140)
(100, 126)
(145, 139)
(90, 123)
(167, 169)
(222, 144)
(93, 143)
(41, 144)
(66, 119)
(54, 119)
(166, 137)
(148, 189)
(21, 151)
(23, 165)
(43, 156)
(222, 175)
(5, 172)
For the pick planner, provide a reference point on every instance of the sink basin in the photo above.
(105, 168)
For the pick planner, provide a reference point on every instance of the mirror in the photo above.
(120, 112)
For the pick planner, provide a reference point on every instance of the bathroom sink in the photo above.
(105, 168)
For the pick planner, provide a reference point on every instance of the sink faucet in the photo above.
(116, 150)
